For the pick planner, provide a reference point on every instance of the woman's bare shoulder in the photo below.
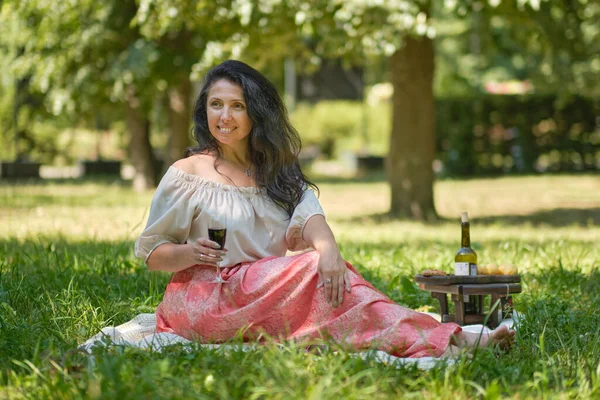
(198, 164)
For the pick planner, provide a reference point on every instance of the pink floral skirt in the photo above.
(278, 297)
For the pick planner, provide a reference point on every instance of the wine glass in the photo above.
(217, 232)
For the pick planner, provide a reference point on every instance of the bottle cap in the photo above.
(464, 217)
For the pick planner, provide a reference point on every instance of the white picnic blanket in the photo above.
(141, 332)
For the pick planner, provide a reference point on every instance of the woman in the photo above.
(245, 170)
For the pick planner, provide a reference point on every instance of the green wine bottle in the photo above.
(465, 260)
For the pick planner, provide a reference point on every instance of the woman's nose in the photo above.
(225, 115)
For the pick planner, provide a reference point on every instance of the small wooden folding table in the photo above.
(500, 287)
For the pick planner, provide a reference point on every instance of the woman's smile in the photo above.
(225, 130)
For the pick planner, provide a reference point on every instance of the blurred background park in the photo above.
(419, 89)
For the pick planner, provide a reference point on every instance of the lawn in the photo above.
(67, 269)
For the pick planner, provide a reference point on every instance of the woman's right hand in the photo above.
(204, 251)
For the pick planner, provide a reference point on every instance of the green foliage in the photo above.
(326, 122)
(490, 134)
(84, 57)
(337, 126)
(556, 46)
(7, 151)
(499, 134)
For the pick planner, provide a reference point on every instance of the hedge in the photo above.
(519, 134)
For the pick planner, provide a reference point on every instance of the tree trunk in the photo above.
(179, 121)
(140, 150)
(412, 143)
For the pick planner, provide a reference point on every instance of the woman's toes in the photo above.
(502, 337)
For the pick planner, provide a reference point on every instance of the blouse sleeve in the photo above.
(307, 208)
(170, 218)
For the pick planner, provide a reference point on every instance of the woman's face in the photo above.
(227, 114)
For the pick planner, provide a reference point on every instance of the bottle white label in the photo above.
(461, 268)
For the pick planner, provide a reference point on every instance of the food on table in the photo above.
(508, 269)
(494, 269)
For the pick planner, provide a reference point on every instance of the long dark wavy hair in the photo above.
(274, 144)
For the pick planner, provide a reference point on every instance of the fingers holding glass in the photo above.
(205, 253)
(209, 259)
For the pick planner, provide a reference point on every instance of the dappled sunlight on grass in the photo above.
(518, 196)
(485, 199)
(75, 222)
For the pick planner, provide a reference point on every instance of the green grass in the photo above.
(67, 269)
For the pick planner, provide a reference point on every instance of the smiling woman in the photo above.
(245, 170)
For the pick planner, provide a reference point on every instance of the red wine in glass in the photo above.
(218, 236)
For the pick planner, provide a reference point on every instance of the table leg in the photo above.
(479, 310)
(459, 308)
(494, 319)
(443, 299)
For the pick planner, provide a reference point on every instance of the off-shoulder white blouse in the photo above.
(256, 226)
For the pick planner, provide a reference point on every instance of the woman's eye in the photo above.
(239, 106)
(215, 104)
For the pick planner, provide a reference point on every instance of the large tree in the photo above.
(86, 56)
(555, 42)
(350, 30)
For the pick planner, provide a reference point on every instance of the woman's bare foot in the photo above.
(501, 338)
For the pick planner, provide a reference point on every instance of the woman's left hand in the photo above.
(333, 275)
